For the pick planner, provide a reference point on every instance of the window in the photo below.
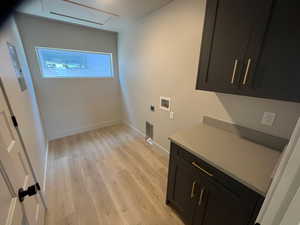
(61, 63)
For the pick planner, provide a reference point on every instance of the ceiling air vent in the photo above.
(72, 17)
(79, 11)
(76, 2)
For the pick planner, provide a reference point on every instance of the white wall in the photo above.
(70, 106)
(159, 57)
(24, 104)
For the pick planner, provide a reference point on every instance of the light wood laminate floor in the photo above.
(107, 177)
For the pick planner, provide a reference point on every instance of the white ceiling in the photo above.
(113, 15)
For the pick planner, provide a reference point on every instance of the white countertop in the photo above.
(249, 163)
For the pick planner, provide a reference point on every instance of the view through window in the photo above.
(61, 63)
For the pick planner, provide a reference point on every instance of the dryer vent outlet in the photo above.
(149, 132)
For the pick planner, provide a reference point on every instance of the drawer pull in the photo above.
(203, 170)
(193, 190)
(201, 196)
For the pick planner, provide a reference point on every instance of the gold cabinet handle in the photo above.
(203, 170)
(234, 70)
(193, 189)
(247, 71)
(201, 196)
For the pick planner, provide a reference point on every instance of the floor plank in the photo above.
(107, 176)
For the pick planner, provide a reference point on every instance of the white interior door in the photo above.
(10, 208)
(284, 187)
(292, 216)
(15, 174)
(22, 102)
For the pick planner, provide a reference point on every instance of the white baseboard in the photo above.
(134, 128)
(161, 147)
(84, 129)
(45, 170)
(144, 135)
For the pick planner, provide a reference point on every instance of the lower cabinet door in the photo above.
(183, 189)
(220, 206)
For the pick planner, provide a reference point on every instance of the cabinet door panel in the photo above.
(261, 15)
(277, 73)
(221, 206)
(185, 190)
(229, 32)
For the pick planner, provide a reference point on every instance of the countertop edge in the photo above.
(261, 192)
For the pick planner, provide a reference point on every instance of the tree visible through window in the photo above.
(61, 63)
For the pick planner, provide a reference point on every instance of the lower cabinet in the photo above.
(202, 195)
(185, 192)
(220, 206)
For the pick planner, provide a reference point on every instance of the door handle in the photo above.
(234, 71)
(203, 170)
(193, 189)
(31, 190)
(201, 196)
(247, 71)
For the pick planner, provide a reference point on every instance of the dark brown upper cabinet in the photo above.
(251, 47)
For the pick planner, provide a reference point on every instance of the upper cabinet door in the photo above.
(233, 35)
(277, 72)
(226, 34)
(251, 47)
(261, 14)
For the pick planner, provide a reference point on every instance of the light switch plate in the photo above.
(268, 118)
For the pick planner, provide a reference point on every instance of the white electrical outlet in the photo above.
(268, 118)
(171, 115)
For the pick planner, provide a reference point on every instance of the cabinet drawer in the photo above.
(212, 173)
